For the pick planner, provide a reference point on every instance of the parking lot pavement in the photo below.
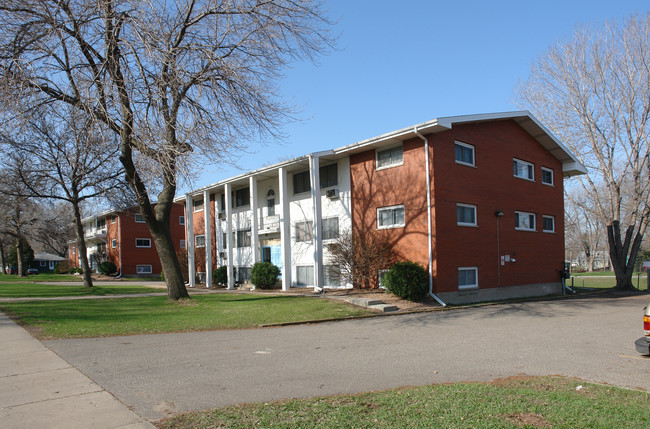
(38, 389)
(159, 375)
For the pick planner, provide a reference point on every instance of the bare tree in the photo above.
(54, 228)
(170, 78)
(357, 256)
(585, 231)
(63, 155)
(594, 91)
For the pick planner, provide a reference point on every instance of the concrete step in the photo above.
(386, 308)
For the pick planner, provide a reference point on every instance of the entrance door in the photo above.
(272, 254)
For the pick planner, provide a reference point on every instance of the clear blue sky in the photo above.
(402, 63)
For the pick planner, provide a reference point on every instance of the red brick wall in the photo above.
(490, 186)
(112, 233)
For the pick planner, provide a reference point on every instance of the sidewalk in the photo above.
(38, 389)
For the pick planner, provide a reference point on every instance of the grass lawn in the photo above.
(45, 277)
(41, 290)
(604, 281)
(124, 316)
(510, 403)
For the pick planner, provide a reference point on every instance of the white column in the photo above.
(229, 240)
(207, 221)
(314, 172)
(189, 244)
(254, 220)
(285, 230)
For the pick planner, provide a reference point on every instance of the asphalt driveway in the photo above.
(157, 375)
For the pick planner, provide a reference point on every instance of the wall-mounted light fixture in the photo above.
(498, 213)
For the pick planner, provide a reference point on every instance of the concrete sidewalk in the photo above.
(38, 389)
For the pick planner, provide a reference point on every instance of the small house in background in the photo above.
(478, 200)
(123, 238)
(45, 262)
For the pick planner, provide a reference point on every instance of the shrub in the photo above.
(407, 280)
(107, 267)
(220, 275)
(264, 275)
(62, 267)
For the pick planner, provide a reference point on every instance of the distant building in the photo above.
(123, 238)
(45, 262)
(482, 209)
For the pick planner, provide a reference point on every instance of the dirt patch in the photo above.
(528, 420)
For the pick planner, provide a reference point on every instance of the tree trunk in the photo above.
(623, 254)
(170, 265)
(81, 245)
(3, 267)
(19, 257)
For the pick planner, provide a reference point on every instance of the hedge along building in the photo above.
(477, 200)
(122, 237)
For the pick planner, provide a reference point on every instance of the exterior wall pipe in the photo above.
(429, 232)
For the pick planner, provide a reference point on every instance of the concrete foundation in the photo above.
(500, 293)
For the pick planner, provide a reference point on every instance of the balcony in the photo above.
(269, 225)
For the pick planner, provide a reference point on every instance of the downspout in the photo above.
(429, 232)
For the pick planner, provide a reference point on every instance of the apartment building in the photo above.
(123, 238)
(477, 200)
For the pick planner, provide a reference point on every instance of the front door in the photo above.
(272, 254)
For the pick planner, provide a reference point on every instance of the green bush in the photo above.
(407, 280)
(264, 275)
(220, 275)
(107, 267)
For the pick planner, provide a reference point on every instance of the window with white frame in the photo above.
(181, 220)
(525, 221)
(301, 182)
(113, 219)
(390, 157)
(390, 217)
(331, 276)
(182, 244)
(523, 169)
(142, 242)
(242, 197)
(330, 228)
(224, 240)
(547, 176)
(243, 238)
(143, 269)
(74, 250)
(329, 175)
(548, 223)
(467, 278)
(199, 240)
(305, 275)
(139, 218)
(464, 153)
(304, 231)
(465, 214)
(114, 243)
(198, 205)
(43, 263)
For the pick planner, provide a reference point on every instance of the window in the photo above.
(390, 217)
(43, 263)
(198, 205)
(304, 231)
(242, 197)
(181, 220)
(465, 215)
(199, 240)
(243, 274)
(139, 218)
(101, 224)
(525, 221)
(270, 203)
(390, 157)
(142, 242)
(113, 219)
(143, 269)
(464, 153)
(547, 176)
(301, 182)
(467, 278)
(548, 223)
(243, 238)
(74, 250)
(225, 240)
(329, 176)
(305, 275)
(182, 244)
(330, 228)
(331, 276)
(523, 169)
(113, 243)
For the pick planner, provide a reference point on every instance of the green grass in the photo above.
(510, 403)
(41, 290)
(45, 277)
(124, 316)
